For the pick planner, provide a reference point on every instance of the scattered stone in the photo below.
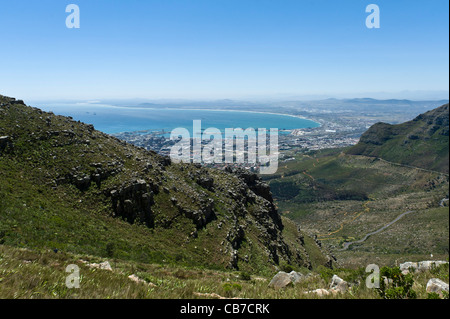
(104, 265)
(138, 280)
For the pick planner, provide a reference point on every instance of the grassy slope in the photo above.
(32, 274)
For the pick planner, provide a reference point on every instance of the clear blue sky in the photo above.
(221, 48)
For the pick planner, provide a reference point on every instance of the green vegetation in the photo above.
(396, 285)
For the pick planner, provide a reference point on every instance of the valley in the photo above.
(350, 202)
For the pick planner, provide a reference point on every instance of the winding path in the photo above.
(348, 244)
(415, 167)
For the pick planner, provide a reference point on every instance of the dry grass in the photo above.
(26, 274)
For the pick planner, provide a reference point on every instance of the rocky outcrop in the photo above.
(84, 177)
(134, 201)
(254, 182)
(200, 217)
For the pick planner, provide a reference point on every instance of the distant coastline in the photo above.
(118, 119)
(245, 111)
(190, 109)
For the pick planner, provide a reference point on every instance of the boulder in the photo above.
(281, 280)
(338, 284)
(437, 286)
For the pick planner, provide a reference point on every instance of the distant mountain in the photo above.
(66, 186)
(422, 142)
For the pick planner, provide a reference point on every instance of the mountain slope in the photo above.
(66, 186)
(422, 142)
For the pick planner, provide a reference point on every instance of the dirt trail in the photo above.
(341, 226)
(348, 244)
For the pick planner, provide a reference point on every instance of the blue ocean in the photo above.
(113, 119)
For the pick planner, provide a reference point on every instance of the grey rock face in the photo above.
(281, 280)
(134, 202)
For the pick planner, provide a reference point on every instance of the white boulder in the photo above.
(437, 286)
